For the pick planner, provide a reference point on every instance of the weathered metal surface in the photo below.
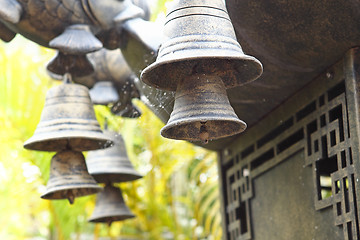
(6, 34)
(42, 21)
(295, 174)
(69, 177)
(76, 39)
(111, 165)
(190, 57)
(75, 64)
(200, 39)
(202, 111)
(74, 27)
(294, 40)
(110, 206)
(68, 122)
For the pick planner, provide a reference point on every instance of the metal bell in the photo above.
(110, 206)
(201, 39)
(200, 60)
(68, 122)
(69, 177)
(76, 64)
(111, 164)
(103, 93)
(202, 111)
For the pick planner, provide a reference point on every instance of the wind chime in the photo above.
(200, 60)
(108, 166)
(68, 126)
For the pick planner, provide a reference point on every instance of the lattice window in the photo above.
(329, 153)
(240, 193)
(321, 129)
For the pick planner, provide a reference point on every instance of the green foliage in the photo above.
(178, 197)
(22, 85)
(23, 173)
(159, 8)
(178, 178)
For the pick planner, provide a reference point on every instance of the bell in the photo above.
(200, 60)
(68, 122)
(76, 64)
(202, 111)
(201, 39)
(111, 164)
(103, 93)
(110, 206)
(69, 177)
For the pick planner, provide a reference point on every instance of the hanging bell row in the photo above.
(111, 165)
(200, 59)
(68, 126)
(70, 178)
(68, 121)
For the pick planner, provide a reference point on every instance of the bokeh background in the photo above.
(178, 197)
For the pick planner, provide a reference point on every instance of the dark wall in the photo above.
(295, 174)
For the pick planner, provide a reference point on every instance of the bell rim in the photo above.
(115, 177)
(102, 218)
(94, 188)
(40, 142)
(183, 123)
(157, 68)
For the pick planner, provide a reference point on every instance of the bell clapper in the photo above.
(109, 228)
(71, 197)
(68, 145)
(203, 133)
(109, 224)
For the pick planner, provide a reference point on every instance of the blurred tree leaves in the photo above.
(178, 197)
(179, 191)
